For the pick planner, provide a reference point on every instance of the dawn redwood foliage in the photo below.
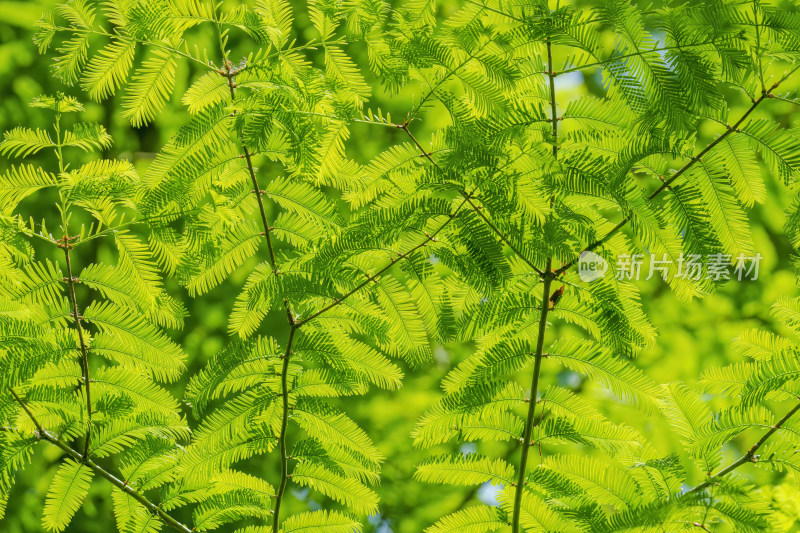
(354, 269)
(86, 375)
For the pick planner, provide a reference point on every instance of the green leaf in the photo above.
(150, 88)
(615, 372)
(347, 491)
(133, 342)
(22, 142)
(19, 182)
(108, 70)
(475, 519)
(69, 488)
(465, 470)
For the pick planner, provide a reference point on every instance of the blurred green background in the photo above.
(693, 336)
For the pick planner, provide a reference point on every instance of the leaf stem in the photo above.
(284, 425)
(160, 45)
(84, 351)
(548, 277)
(230, 76)
(748, 457)
(639, 53)
(553, 111)
(102, 472)
(446, 77)
(468, 198)
(672, 179)
(429, 237)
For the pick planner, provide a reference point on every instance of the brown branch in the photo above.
(749, 457)
(667, 183)
(43, 434)
(468, 198)
(84, 351)
(284, 424)
(229, 73)
(230, 76)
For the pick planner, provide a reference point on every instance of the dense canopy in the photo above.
(397, 266)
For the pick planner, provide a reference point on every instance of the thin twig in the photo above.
(667, 183)
(284, 424)
(429, 237)
(548, 277)
(66, 245)
(749, 456)
(446, 77)
(230, 76)
(468, 198)
(114, 480)
(84, 351)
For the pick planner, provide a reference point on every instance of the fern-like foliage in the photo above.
(542, 180)
(84, 355)
(349, 315)
(468, 234)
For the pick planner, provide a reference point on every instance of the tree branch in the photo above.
(666, 184)
(468, 197)
(284, 424)
(84, 351)
(102, 472)
(429, 237)
(549, 276)
(230, 75)
(749, 457)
